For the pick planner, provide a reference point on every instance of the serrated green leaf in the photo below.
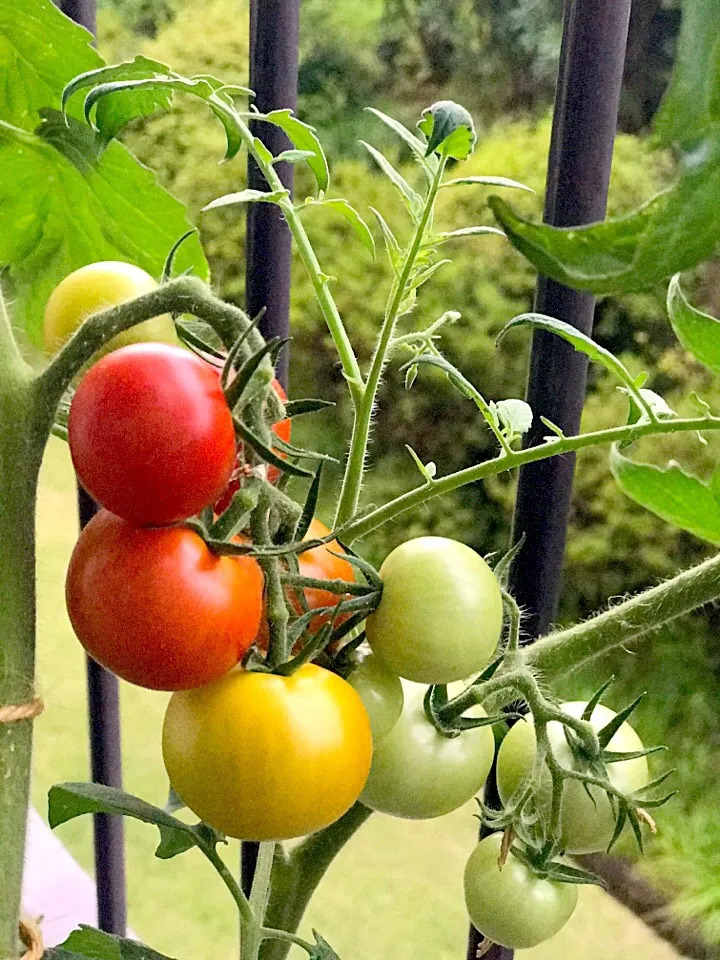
(97, 945)
(293, 156)
(672, 232)
(692, 101)
(303, 137)
(247, 196)
(118, 213)
(412, 199)
(698, 332)
(141, 68)
(670, 493)
(69, 800)
(350, 214)
(516, 416)
(449, 129)
(576, 338)
(33, 70)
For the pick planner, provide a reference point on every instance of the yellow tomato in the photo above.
(264, 757)
(97, 287)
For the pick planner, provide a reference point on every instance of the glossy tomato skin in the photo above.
(281, 429)
(157, 607)
(587, 823)
(380, 691)
(417, 774)
(151, 436)
(511, 905)
(265, 757)
(440, 616)
(97, 287)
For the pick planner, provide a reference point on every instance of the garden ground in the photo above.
(396, 889)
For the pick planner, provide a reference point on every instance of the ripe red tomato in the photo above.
(151, 436)
(157, 607)
(281, 429)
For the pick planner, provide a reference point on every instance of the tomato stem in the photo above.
(355, 529)
(355, 466)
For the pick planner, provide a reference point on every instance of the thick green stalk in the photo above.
(504, 462)
(295, 877)
(355, 466)
(567, 650)
(19, 466)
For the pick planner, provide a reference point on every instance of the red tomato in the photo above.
(157, 607)
(281, 429)
(151, 435)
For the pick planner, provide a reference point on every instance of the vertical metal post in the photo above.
(583, 134)
(103, 704)
(274, 34)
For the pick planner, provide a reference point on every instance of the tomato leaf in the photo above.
(516, 417)
(449, 129)
(97, 945)
(670, 493)
(33, 71)
(323, 950)
(303, 137)
(417, 146)
(698, 332)
(349, 212)
(69, 800)
(412, 199)
(118, 213)
(247, 196)
(692, 102)
(485, 182)
(392, 247)
(480, 231)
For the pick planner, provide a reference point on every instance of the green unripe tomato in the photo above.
(417, 773)
(97, 287)
(381, 692)
(440, 615)
(587, 823)
(511, 905)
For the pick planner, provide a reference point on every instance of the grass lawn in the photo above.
(396, 889)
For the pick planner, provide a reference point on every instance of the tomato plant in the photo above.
(587, 819)
(419, 773)
(264, 757)
(96, 287)
(151, 435)
(511, 905)
(440, 616)
(157, 607)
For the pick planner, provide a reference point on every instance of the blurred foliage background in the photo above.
(498, 58)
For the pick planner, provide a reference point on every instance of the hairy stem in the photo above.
(563, 652)
(296, 877)
(420, 495)
(355, 466)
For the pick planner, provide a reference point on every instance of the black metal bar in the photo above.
(103, 701)
(274, 32)
(584, 125)
(274, 37)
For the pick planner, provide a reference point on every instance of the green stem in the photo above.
(277, 612)
(567, 650)
(20, 457)
(270, 934)
(319, 280)
(247, 917)
(501, 464)
(296, 878)
(355, 466)
(261, 880)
